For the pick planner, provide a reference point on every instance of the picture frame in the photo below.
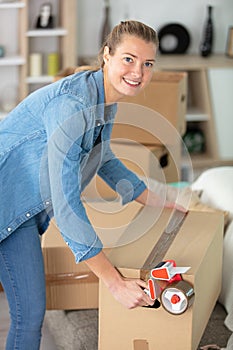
(229, 50)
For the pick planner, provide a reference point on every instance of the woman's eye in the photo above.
(148, 64)
(128, 59)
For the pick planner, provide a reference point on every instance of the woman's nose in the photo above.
(137, 70)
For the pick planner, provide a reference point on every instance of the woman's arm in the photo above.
(129, 292)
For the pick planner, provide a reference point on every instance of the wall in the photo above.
(156, 13)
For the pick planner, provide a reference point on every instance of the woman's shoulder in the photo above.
(86, 85)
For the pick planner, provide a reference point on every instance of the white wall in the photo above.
(156, 13)
(221, 90)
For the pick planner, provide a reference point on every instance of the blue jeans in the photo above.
(23, 280)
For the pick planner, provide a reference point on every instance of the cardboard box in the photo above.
(151, 116)
(198, 244)
(71, 286)
(68, 285)
(153, 161)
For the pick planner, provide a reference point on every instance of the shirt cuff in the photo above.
(81, 251)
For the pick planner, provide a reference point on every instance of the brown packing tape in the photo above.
(140, 344)
(70, 278)
(182, 288)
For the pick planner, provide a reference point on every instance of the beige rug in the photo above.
(78, 330)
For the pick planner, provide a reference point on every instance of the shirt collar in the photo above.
(104, 113)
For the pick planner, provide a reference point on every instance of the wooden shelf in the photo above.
(192, 62)
(199, 103)
(12, 5)
(47, 32)
(12, 60)
(195, 115)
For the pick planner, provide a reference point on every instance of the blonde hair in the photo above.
(114, 39)
(134, 28)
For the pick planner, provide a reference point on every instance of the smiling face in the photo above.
(129, 69)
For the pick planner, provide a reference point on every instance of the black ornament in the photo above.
(207, 41)
(180, 36)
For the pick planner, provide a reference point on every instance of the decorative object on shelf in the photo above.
(53, 63)
(229, 50)
(207, 40)
(45, 19)
(35, 64)
(106, 28)
(194, 140)
(174, 38)
(2, 51)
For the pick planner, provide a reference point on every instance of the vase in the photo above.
(207, 40)
(106, 23)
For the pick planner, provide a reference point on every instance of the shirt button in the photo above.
(47, 203)
(28, 215)
(98, 124)
(9, 229)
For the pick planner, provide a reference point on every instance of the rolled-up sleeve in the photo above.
(119, 177)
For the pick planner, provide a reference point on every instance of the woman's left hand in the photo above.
(150, 198)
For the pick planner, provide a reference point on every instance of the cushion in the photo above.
(216, 185)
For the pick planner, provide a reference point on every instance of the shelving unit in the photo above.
(14, 58)
(60, 39)
(200, 104)
(20, 38)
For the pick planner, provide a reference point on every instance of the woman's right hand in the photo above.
(130, 293)
(127, 291)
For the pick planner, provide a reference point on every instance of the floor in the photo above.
(47, 339)
(215, 332)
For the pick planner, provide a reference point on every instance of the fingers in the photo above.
(179, 207)
(145, 299)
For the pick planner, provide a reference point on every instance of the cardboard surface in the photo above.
(70, 285)
(198, 244)
(153, 161)
(139, 117)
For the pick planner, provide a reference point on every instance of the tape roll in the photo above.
(177, 297)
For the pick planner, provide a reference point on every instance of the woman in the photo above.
(51, 145)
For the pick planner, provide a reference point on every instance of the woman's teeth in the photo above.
(135, 83)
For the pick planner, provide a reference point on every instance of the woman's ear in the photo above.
(106, 54)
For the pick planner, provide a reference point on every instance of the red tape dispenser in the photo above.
(165, 282)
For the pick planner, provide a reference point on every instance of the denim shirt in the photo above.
(51, 145)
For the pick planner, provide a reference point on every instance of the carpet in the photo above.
(78, 330)
(74, 330)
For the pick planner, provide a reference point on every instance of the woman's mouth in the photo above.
(132, 82)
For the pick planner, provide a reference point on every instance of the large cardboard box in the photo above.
(71, 286)
(198, 244)
(152, 116)
(151, 161)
